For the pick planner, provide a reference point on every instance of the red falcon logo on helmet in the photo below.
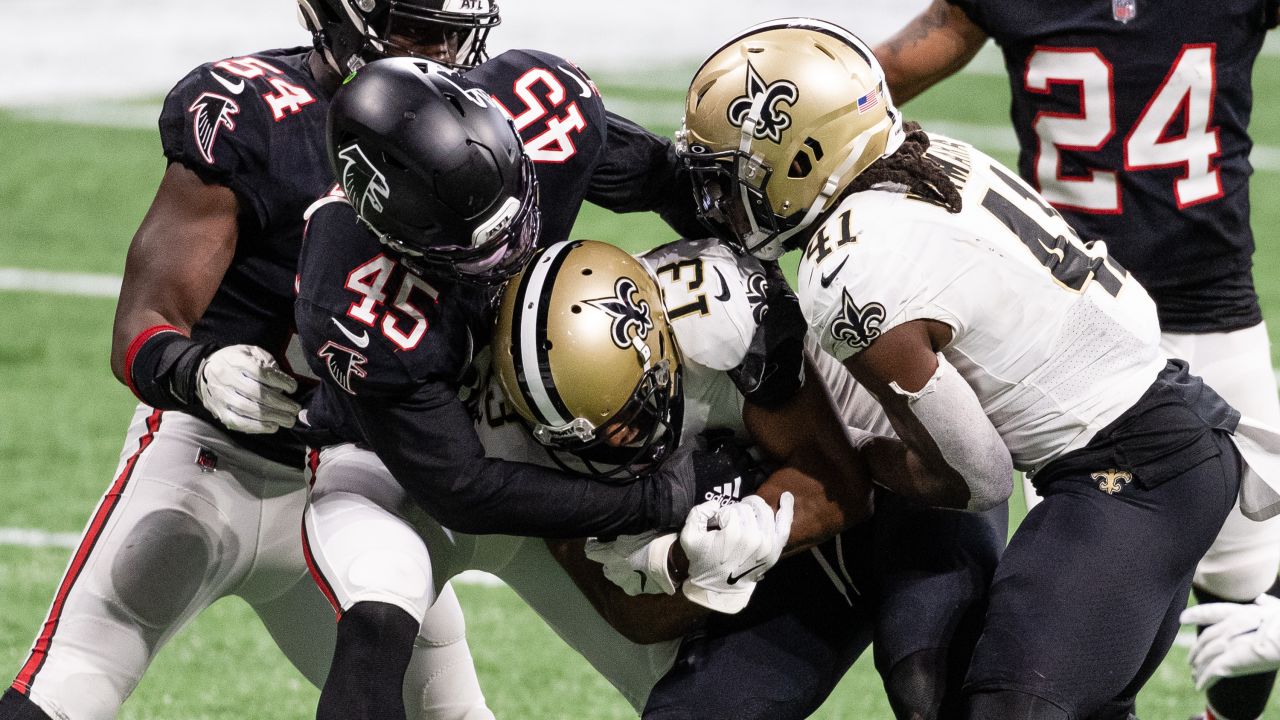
(212, 112)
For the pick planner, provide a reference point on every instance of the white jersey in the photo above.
(1054, 337)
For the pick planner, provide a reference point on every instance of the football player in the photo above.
(447, 184)
(600, 360)
(995, 339)
(209, 492)
(1132, 121)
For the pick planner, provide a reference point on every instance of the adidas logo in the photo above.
(726, 494)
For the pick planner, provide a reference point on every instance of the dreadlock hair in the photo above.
(909, 168)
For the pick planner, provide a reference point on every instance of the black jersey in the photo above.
(255, 124)
(392, 346)
(1132, 119)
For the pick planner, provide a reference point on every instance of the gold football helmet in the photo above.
(585, 355)
(777, 123)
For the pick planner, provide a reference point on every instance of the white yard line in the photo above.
(60, 283)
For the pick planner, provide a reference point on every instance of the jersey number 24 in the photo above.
(1188, 89)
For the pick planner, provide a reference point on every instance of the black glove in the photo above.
(773, 369)
(726, 470)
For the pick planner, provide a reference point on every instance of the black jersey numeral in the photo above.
(1062, 255)
(699, 302)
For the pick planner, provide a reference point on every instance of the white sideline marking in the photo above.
(33, 538)
(60, 283)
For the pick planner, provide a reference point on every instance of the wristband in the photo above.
(161, 366)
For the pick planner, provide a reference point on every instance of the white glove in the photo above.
(636, 563)
(1240, 639)
(244, 388)
(731, 547)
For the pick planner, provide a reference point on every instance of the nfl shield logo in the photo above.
(1124, 10)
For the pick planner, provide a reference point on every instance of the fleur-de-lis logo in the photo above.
(365, 185)
(1112, 481)
(772, 120)
(757, 291)
(628, 312)
(857, 326)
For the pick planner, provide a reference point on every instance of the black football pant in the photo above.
(911, 579)
(1086, 599)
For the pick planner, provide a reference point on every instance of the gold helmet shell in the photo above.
(585, 354)
(778, 122)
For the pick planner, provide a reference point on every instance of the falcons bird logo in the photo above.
(212, 111)
(365, 185)
(343, 363)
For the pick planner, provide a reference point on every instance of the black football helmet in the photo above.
(436, 169)
(351, 33)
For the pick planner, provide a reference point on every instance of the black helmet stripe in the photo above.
(529, 331)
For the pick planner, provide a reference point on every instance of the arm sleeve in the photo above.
(641, 172)
(428, 442)
(773, 370)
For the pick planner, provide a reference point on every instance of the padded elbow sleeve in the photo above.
(948, 409)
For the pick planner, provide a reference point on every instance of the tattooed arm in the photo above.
(935, 44)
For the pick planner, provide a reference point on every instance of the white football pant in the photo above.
(192, 517)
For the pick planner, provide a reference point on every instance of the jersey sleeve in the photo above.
(850, 275)
(731, 313)
(219, 134)
(973, 8)
(429, 443)
(641, 172)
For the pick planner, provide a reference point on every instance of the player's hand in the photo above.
(1240, 639)
(636, 563)
(244, 388)
(730, 548)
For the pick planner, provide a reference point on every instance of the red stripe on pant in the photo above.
(40, 651)
(313, 466)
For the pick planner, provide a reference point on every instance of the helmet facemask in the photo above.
(636, 439)
(499, 248)
(351, 33)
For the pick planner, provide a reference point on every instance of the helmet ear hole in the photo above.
(800, 166)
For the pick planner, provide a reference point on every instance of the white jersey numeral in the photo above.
(369, 281)
(1187, 91)
(1088, 131)
(555, 144)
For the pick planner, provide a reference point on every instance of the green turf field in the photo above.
(70, 198)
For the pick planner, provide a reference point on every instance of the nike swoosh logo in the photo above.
(586, 89)
(830, 277)
(234, 88)
(724, 287)
(361, 340)
(733, 579)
